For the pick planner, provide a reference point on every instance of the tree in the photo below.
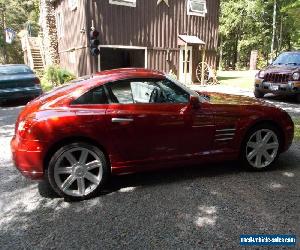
(247, 25)
(18, 15)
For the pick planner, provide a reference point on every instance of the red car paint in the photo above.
(161, 135)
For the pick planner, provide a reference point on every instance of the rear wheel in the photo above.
(298, 98)
(261, 148)
(258, 94)
(78, 171)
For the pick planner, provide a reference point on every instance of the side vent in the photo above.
(224, 135)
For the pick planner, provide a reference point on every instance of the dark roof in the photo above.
(7, 65)
(129, 71)
(294, 51)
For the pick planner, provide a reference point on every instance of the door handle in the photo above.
(120, 120)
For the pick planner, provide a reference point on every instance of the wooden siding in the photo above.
(73, 40)
(148, 25)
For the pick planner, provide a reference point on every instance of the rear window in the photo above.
(94, 96)
(12, 70)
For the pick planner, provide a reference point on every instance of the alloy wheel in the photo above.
(262, 148)
(78, 171)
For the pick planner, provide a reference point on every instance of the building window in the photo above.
(197, 7)
(73, 4)
(60, 24)
(130, 3)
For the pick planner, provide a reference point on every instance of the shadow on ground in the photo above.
(177, 175)
(194, 207)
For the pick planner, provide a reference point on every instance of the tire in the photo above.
(78, 171)
(261, 148)
(258, 94)
(298, 98)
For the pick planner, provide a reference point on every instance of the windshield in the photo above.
(202, 97)
(288, 59)
(15, 69)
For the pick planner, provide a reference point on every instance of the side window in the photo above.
(142, 92)
(146, 91)
(94, 96)
(173, 93)
(120, 92)
(155, 91)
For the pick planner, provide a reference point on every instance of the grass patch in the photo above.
(237, 79)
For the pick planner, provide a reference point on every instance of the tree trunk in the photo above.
(3, 26)
(274, 29)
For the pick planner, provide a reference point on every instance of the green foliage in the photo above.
(246, 25)
(54, 76)
(46, 86)
(18, 15)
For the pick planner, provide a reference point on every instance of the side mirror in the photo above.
(194, 102)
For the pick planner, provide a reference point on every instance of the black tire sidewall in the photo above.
(243, 157)
(59, 152)
(298, 98)
(258, 94)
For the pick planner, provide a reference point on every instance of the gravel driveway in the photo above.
(204, 207)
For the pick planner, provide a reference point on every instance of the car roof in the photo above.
(77, 88)
(9, 65)
(130, 71)
(103, 77)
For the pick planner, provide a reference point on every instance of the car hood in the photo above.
(219, 98)
(282, 69)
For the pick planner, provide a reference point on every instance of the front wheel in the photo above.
(261, 148)
(77, 171)
(258, 94)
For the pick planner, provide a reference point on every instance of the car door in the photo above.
(149, 125)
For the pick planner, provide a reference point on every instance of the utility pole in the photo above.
(274, 29)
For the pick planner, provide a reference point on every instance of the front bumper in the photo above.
(290, 88)
(28, 157)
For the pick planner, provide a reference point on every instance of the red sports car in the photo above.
(128, 120)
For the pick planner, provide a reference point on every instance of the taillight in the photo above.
(23, 127)
(37, 81)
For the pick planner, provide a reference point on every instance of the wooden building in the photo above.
(155, 34)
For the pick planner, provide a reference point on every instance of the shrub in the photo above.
(55, 76)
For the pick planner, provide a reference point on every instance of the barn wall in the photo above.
(148, 25)
(73, 46)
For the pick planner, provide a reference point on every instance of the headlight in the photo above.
(261, 74)
(296, 76)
